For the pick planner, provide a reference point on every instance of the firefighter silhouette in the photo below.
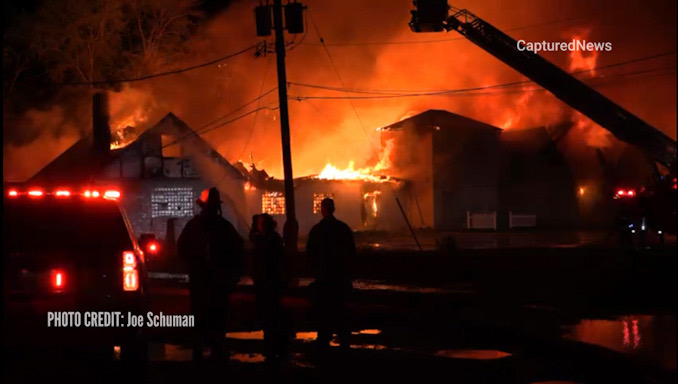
(212, 249)
(331, 248)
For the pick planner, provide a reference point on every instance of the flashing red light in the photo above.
(631, 192)
(130, 275)
(153, 247)
(87, 193)
(112, 195)
(58, 279)
(13, 193)
(36, 193)
(621, 192)
(95, 194)
(62, 193)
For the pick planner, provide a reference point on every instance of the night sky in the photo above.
(368, 47)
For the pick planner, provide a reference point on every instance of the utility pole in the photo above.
(294, 24)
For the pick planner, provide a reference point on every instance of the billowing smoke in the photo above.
(340, 130)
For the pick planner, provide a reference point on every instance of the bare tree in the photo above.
(159, 31)
(79, 40)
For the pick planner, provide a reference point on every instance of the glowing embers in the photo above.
(318, 198)
(273, 203)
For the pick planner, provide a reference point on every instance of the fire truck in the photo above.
(641, 209)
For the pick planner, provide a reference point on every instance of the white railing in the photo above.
(481, 220)
(522, 220)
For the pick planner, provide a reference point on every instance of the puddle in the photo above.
(251, 335)
(306, 336)
(248, 357)
(645, 336)
(367, 332)
(475, 354)
(372, 347)
(170, 352)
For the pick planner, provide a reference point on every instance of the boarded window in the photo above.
(317, 199)
(273, 203)
(172, 202)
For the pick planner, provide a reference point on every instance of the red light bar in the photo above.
(621, 192)
(13, 193)
(112, 194)
(58, 279)
(130, 275)
(36, 193)
(631, 192)
(62, 193)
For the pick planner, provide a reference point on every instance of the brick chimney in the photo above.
(101, 132)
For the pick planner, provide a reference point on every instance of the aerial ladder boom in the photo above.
(433, 16)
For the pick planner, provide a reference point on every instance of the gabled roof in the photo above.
(436, 119)
(82, 163)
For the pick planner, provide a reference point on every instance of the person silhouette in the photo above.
(212, 249)
(270, 282)
(331, 249)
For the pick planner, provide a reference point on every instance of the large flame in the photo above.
(374, 174)
(331, 172)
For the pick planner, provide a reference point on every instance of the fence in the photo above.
(481, 220)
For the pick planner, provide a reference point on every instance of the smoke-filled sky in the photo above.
(340, 130)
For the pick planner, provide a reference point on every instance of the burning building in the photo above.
(451, 162)
(161, 173)
(466, 174)
(364, 201)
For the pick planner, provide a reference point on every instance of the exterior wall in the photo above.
(465, 160)
(137, 196)
(536, 179)
(413, 162)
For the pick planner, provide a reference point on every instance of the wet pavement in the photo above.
(584, 319)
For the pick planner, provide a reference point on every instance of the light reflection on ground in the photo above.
(248, 357)
(644, 336)
(251, 335)
(475, 354)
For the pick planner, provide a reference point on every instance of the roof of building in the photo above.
(437, 119)
(82, 163)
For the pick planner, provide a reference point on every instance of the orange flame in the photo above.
(331, 172)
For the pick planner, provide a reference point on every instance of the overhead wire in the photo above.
(160, 74)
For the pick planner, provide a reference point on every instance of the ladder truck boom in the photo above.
(433, 16)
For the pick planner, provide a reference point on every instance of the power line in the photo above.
(254, 121)
(407, 93)
(404, 42)
(203, 127)
(341, 81)
(463, 92)
(173, 72)
(197, 133)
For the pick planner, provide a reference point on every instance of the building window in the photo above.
(172, 202)
(317, 199)
(370, 209)
(273, 203)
